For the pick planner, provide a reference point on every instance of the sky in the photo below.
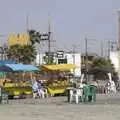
(71, 21)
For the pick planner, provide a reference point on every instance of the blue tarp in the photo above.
(17, 67)
(2, 62)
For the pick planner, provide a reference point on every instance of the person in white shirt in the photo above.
(35, 89)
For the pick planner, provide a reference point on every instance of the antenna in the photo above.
(27, 23)
(49, 22)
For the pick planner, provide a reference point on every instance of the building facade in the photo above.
(63, 58)
(114, 57)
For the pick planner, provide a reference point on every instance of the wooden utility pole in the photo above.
(86, 58)
(74, 53)
(74, 56)
(101, 46)
(109, 48)
(49, 39)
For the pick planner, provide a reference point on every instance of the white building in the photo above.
(115, 60)
(75, 58)
(68, 58)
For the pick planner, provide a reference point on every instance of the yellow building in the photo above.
(22, 39)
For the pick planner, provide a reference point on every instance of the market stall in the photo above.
(17, 87)
(57, 85)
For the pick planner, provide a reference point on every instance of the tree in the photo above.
(49, 60)
(102, 63)
(100, 67)
(28, 54)
(35, 37)
(25, 53)
(22, 53)
(14, 52)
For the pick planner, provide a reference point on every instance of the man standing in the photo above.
(35, 89)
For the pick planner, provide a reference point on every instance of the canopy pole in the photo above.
(31, 77)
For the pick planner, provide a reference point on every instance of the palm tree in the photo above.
(35, 37)
(22, 53)
(25, 53)
(14, 52)
(28, 53)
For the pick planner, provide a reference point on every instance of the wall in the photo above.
(114, 59)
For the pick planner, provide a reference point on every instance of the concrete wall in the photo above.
(115, 59)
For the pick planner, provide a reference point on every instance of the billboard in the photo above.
(22, 39)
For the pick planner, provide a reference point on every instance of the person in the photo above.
(40, 92)
(113, 86)
(110, 87)
(4, 82)
(35, 89)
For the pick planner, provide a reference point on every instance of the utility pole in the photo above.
(86, 58)
(101, 45)
(49, 39)
(109, 45)
(74, 53)
(74, 57)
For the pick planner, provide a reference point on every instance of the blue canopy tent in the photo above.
(17, 67)
(2, 62)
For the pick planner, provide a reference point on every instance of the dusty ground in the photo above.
(56, 108)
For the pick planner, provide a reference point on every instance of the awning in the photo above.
(58, 67)
(17, 67)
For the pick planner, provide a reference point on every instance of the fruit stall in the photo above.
(59, 84)
(14, 82)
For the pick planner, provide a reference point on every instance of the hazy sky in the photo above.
(71, 20)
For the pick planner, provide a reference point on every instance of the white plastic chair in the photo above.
(76, 95)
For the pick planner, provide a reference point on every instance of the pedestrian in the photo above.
(35, 89)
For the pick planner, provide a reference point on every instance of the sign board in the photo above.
(62, 61)
(60, 54)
